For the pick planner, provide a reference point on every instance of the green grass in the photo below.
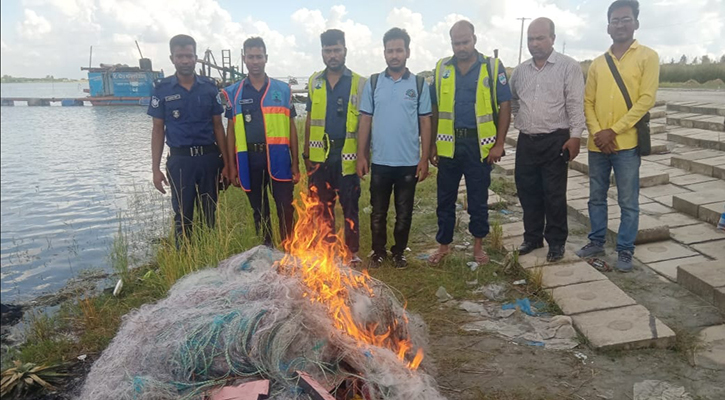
(88, 324)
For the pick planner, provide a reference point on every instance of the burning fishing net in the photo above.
(265, 314)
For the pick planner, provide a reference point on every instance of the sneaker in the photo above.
(355, 262)
(528, 247)
(590, 250)
(400, 261)
(556, 253)
(376, 260)
(624, 262)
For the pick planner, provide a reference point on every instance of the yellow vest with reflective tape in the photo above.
(445, 74)
(319, 139)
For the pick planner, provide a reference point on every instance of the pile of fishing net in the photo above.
(244, 321)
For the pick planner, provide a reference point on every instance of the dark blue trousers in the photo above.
(193, 181)
(282, 192)
(466, 162)
(330, 185)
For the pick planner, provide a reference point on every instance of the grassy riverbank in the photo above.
(86, 325)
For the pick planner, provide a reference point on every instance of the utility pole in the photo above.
(521, 39)
(563, 48)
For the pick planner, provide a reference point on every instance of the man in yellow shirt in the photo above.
(612, 136)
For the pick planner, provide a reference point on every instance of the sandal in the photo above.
(482, 259)
(437, 257)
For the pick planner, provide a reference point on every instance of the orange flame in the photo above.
(314, 253)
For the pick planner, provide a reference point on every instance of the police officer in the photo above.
(330, 147)
(471, 114)
(262, 140)
(186, 110)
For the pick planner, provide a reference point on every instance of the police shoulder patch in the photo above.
(154, 102)
(502, 78)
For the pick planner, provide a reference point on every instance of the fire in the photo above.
(314, 253)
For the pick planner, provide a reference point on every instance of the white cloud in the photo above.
(33, 26)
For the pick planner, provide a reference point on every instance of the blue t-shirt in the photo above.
(187, 114)
(395, 133)
(251, 104)
(465, 105)
(337, 101)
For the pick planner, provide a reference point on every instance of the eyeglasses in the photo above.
(340, 108)
(621, 21)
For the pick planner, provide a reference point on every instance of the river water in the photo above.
(71, 177)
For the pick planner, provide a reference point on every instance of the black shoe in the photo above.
(376, 260)
(556, 253)
(400, 261)
(528, 247)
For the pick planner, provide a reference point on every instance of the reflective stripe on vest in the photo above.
(319, 139)
(276, 103)
(445, 92)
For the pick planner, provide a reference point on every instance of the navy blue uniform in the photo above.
(466, 159)
(194, 164)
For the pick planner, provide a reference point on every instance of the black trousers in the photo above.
(541, 176)
(282, 192)
(384, 181)
(194, 181)
(330, 184)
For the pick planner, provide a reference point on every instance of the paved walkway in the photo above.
(682, 197)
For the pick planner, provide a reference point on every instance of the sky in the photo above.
(53, 37)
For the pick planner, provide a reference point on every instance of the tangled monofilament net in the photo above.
(244, 321)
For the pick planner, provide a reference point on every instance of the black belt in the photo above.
(194, 151)
(548, 134)
(257, 147)
(466, 133)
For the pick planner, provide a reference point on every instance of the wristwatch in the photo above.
(305, 156)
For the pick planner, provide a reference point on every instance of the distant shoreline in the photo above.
(42, 80)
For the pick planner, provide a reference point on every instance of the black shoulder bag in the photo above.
(643, 134)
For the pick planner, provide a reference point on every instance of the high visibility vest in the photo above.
(319, 139)
(485, 104)
(276, 103)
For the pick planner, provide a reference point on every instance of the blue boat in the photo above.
(121, 85)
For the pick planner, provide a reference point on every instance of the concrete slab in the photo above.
(661, 251)
(663, 190)
(702, 278)
(650, 230)
(668, 268)
(696, 234)
(592, 296)
(674, 220)
(719, 299)
(664, 200)
(691, 179)
(713, 186)
(711, 213)
(513, 229)
(624, 328)
(689, 203)
(654, 209)
(537, 258)
(577, 194)
(569, 274)
(712, 352)
(715, 249)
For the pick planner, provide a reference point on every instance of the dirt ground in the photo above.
(484, 366)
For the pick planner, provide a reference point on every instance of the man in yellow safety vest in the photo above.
(471, 114)
(330, 147)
